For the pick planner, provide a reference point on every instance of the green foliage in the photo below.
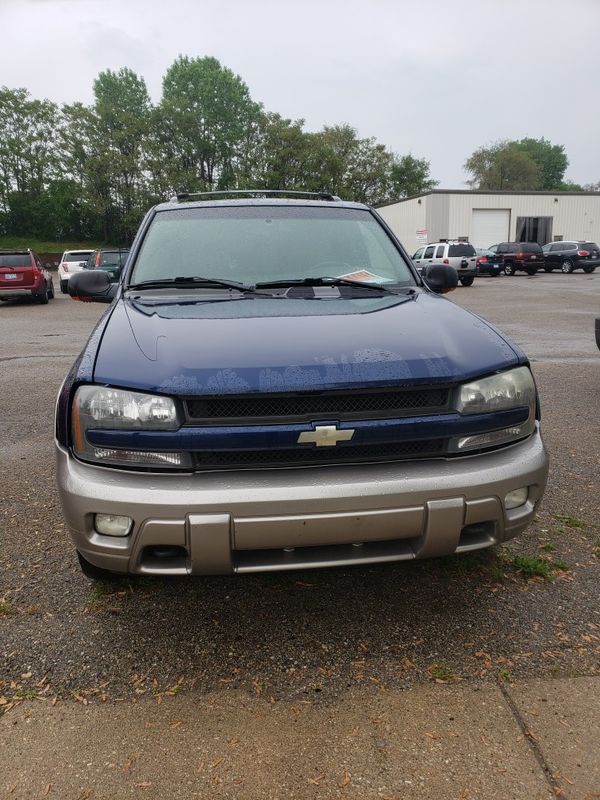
(502, 166)
(205, 114)
(439, 671)
(551, 161)
(532, 566)
(89, 172)
(527, 164)
(411, 176)
(570, 521)
(5, 607)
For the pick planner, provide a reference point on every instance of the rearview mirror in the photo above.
(92, 286)
(439, 278)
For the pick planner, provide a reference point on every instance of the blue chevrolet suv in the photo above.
(274, 386)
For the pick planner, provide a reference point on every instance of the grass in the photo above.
(570, 521)
(42, 246)
(100, 591)
(504, 675)
(5, 608)
(440, 672)
(532, 566)
(26, 694)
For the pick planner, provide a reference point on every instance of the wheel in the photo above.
(97, 573)
(589, 270)
(567, 267)
(531, 270)
(495, 272)
(51, 291)
(467, 281)
(42, 298)
(509, 269)
(63, 286)
(548, 269)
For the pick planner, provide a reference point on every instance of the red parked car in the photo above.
(23, 274)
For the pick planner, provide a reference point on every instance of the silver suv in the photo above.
(453, 252)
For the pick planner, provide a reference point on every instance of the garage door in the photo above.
(489, 226)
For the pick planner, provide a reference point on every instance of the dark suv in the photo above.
(275, 387)
(109, 259)
(24, 274)
(571, 255)
(526, 256)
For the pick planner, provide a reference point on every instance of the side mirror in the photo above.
(438, 277)
(93, 286)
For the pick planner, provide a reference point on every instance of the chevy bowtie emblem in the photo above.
(325, 436)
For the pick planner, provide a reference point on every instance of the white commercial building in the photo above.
(486, 218)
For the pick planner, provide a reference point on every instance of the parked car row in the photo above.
(508, 257)
(24, 274)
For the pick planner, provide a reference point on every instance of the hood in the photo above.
(188, 347)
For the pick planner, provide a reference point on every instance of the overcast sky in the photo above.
(436, 78)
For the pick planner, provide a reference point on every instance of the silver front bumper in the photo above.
(257, 520)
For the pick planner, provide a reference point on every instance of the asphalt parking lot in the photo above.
(529, 610)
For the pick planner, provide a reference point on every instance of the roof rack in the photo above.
(183, 196)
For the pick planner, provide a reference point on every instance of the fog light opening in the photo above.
(112, 524)
(516, 498)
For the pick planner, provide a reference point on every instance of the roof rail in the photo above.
(183, 196)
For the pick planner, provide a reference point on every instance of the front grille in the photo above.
(310, 456)
(318, 405)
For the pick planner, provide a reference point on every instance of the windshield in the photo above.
(254, 244)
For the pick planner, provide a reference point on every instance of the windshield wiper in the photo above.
(325, 281)
(186, 281)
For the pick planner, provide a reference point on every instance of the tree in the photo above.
(118, 137)
(502, 166)
(28, 157)
(527, 164)
(411, 176)
(361, 169)
(206, 113)
(551, 160)
(274, 155)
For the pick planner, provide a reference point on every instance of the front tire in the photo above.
(589, 270)
(531, 271)
(468, 281)
(547, 269)
(509, 269)
(51, 292)
(567, 267)
(63, 286)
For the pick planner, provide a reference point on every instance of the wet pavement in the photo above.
(311, 636)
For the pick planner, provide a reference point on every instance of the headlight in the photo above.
(506, 390)
(99, 407)
(502, 392)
